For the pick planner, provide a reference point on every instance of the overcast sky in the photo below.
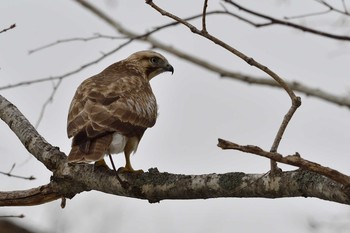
(196, 107)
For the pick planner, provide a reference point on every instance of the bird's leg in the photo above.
(129, 147)
(124, 184)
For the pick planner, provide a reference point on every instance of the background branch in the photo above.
(9, 28)
(296, 86)
(250, 79)
(9, 174)
(273, 21)
(83, 39)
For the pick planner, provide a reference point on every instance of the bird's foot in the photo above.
(101, 165)
(129, 170)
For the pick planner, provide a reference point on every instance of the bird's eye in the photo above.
(154, 60)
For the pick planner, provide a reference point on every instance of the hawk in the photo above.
(111, 111)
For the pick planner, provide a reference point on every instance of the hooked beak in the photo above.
(169, 68)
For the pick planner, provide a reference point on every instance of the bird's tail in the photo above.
(97, 150)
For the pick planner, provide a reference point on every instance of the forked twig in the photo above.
(294, 160)
(9, 174)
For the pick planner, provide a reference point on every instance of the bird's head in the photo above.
(151, 63)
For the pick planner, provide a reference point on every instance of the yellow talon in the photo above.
(101, 164)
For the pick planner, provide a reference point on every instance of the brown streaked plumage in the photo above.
(110, 111)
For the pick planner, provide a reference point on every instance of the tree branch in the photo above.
(155, 186)
(70, 179)
(35, 196)
(294, 160)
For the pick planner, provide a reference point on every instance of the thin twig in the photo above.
(83, 39)
(12, 216)
(332, 8)
(9, 28)
(307, 15)
(204, 23)
(345, 7)
(47, 102)
(9, 174)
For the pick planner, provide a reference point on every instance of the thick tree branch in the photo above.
(155, 186)
(35, 196)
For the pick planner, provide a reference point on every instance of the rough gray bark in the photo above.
(154, 186)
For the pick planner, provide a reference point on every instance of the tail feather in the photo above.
(97, 150)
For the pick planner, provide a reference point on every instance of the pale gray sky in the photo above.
(196, 107)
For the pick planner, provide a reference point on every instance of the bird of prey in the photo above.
(110, 111)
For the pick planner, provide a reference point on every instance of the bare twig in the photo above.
(12, 216)
(204, 23)
(9, 174)
(47, 102)
(286, 23)
(294, 160)
(83, 39)
(330, 7)
(307, 15)
(345, 7)
(9, 28)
